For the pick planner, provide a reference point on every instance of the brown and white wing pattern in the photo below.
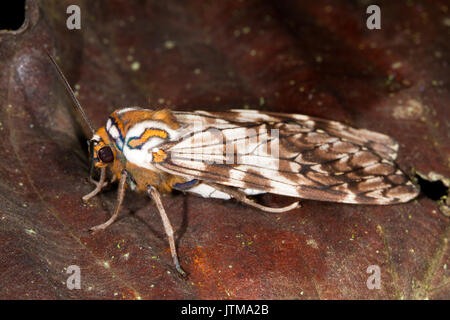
(288, 154)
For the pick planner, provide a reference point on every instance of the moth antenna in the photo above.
(72, 94)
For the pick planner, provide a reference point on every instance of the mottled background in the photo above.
(311, 57)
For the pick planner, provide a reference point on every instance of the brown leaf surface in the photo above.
(311, 57)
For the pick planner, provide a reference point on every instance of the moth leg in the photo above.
(113, 179)
(99, 185)
(242, 197)
(91, 174)
(120, 196)
(94, 182)
(153, 193)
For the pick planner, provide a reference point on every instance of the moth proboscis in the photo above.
(239, 153)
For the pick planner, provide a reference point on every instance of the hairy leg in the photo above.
(99, 185)
(167, 226)
(120, 196)
(242, 197)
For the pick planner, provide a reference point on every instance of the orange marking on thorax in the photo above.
(132, 117)
(167, 117)
(148, 133)
(119, 124)
(159, 156)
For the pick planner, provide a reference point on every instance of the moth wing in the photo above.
(380, 143)
(291, 155)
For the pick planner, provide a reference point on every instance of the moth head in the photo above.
(103, 153)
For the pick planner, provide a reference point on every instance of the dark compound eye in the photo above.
(106, 154)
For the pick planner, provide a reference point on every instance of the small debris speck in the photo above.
(396, 65)
(135, 66)
(169, 44)
(30, 231)
(446, 22)
(312, 243)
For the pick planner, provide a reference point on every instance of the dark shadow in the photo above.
(434, 190)
(184, 222)
(161, 235)
(12, 14)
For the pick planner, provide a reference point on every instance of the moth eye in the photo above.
(106, 155)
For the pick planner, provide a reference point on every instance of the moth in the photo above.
(239, 153)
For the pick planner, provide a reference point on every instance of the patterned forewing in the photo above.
(292, 155)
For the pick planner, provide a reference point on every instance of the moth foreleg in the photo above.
(154, 194)
(242, 197)
(120, 196)
(99, 185)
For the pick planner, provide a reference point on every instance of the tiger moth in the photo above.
(239, 153)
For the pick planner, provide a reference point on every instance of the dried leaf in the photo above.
(312, 57)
